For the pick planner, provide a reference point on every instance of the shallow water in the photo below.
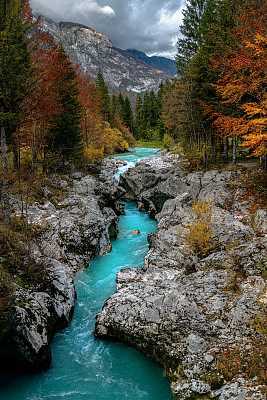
(84, 367)
(136, 154)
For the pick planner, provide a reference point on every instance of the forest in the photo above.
(216, 108)
(52, 114)
(218, 104)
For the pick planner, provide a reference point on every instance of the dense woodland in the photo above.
(217, 107)
(219, 103)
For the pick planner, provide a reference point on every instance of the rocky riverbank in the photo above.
(198, 306)
(72, 231)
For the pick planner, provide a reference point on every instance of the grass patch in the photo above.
(154, 143)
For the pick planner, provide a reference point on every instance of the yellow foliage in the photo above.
(115, 142)
(103, 140)
(92, 154)
(199, 235)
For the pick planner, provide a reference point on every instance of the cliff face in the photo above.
(93, 50)
(73, 231)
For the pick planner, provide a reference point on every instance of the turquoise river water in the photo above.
(84, 368)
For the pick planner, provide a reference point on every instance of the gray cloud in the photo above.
(151, 26)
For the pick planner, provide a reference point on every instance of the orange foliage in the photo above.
(92, 124)
(243, 81)
(41, 104)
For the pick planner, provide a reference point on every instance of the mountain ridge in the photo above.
(93, 50)
(161, 63)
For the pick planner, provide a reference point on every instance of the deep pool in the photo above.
(84, 367)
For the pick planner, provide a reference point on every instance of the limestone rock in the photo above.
(74, 231)
(184, 309)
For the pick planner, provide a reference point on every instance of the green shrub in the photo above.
(168, 141)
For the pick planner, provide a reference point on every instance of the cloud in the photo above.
(151, 26)
(86, 6)
(170, 19)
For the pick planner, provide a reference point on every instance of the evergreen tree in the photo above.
(145, 118)
(15, 77)
(120, 106)
(191, 29)
(16, 69)
(127, 113)
(114, 104)
(102, 89)
(138, 115)
(66, 133)
(152, 109)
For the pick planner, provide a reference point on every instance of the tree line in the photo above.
(218, 103)
(216, 108)
(50, 112)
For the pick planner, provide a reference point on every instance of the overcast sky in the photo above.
(148, 25)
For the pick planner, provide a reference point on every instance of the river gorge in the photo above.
(188, 290)
(82, 366)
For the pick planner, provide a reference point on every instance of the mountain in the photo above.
(164, 64)
(122, 71)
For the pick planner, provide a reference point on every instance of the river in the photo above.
(84, 368)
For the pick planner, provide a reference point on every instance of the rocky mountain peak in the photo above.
(93, 50)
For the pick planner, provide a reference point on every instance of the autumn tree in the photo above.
(65, 135)
(243, 80)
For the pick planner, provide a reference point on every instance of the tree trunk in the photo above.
(86, 133)
(225, 149)
(234, 149)
(5, 192)
(15, 156)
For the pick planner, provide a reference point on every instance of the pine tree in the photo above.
(15, 78)
(127, 113)
(120, 105)
(66, 133)
(152, 109)
(191, 29)
(138, 115)
(16, 69)
(102, 89)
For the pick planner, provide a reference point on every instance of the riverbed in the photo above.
(84, 367)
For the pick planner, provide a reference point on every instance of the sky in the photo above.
(151, 26)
